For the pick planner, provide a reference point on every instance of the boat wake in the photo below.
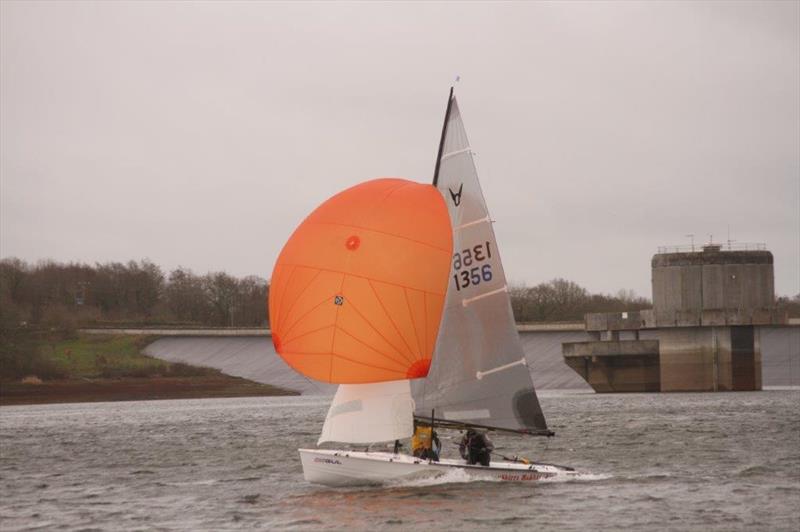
(459, 476)
(453, 476)
(578, 477)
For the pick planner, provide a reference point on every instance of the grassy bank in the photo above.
(79, 368)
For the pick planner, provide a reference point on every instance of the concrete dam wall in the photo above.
(253, 357)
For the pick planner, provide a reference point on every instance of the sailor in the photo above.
(476, 447)
(425, 443)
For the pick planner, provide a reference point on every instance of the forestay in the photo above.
(368, 413)
(479, 375)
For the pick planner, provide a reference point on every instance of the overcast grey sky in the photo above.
(201, 134)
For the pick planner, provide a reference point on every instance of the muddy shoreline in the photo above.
(133, 389)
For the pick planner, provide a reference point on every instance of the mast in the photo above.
(441, 141)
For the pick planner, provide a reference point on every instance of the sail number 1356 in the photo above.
(468, 272)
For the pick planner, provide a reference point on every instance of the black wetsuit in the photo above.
(476, 448)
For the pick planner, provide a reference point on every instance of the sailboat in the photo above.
(395, 291)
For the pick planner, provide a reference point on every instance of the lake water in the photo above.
(651, 461)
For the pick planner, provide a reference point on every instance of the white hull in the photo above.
(348, 468)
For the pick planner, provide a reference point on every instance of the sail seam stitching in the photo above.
(302, 293)
(371, 230)
(306, 313)
(337, 355)
(396, 328)
(425, 323)
(335, 328)
(362, 342)
(413, 324)
(385, 339)
(301, 335)
(279, 317)
(369, 279)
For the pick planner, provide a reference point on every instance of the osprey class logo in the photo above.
(456, 195)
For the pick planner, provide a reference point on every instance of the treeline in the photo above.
(71, 295)
(790, 304)
(562, 300)
(67, 296)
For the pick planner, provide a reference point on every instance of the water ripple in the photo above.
(661, 461)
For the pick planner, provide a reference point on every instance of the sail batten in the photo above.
(479, 376)
(457, 152)
(520, 362)
(470, 224)
(465, 302)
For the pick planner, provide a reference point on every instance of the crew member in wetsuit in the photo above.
(476, 448)
(425, 443)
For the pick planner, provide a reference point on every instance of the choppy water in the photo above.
(661, 461)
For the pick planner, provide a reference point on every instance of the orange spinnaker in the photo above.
(358, 290)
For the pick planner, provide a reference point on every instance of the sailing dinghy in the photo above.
(395, 291)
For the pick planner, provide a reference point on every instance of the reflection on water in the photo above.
(710, 461)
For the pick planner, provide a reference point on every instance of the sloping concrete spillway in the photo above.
(253, 357)
(250, 357)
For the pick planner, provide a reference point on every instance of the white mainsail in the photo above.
(479, 375)
(368, 413)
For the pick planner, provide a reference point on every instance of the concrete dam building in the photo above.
(702, 334)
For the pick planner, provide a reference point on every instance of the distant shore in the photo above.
(133, 389)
